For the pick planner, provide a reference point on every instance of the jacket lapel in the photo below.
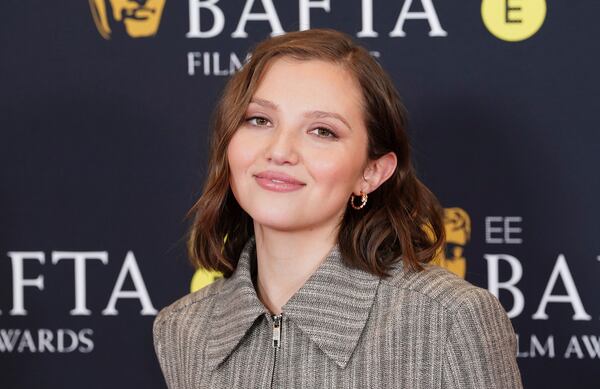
(236, 309)
(331, 308)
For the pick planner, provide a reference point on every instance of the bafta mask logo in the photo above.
(457, 225)
(134, 18)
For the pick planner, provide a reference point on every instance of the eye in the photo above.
(324, 132)
(260, 121)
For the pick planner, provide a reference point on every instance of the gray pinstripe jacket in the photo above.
(344, 328)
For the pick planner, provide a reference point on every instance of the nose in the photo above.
(282, 148)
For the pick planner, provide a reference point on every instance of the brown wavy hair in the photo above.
(402, 219)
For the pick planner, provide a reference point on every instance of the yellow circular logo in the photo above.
(203, 277)
(513, 20)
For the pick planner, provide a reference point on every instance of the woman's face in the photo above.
(302, 147)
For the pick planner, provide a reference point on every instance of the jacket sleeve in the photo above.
(481, 347)
(160, 331)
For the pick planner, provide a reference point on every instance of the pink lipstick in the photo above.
(278, 182)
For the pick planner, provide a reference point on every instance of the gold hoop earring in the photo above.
(363, 200)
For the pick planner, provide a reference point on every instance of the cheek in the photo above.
(240, 155)
(336, 171)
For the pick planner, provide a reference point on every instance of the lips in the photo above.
(278, 177)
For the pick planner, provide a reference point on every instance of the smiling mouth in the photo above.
(279, 177)
(277, 184)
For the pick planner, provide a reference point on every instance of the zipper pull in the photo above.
(276, 331)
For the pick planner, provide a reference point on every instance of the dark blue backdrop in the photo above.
(104, 148)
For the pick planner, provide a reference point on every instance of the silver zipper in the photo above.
(276, 331)
(276, 344)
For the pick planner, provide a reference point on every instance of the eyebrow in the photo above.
(309, 114)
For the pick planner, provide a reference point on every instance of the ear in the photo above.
(377, 172)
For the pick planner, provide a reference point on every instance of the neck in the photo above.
(285, 260)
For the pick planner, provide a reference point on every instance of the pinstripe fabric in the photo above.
(344, 328)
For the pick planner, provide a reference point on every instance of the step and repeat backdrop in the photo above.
(104, 112)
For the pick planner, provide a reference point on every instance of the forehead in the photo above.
(311, 84)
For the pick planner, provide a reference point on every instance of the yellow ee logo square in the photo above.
(513, 20)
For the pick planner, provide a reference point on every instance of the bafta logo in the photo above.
(457, 225)
(134, 18)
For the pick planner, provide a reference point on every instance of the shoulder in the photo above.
(477, 331)
(194, 305)
(437, 286)
(176, 327)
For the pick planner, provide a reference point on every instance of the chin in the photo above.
(277, 222)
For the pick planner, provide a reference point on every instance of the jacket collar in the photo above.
(331, 308)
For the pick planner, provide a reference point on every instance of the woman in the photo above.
(327, 237)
